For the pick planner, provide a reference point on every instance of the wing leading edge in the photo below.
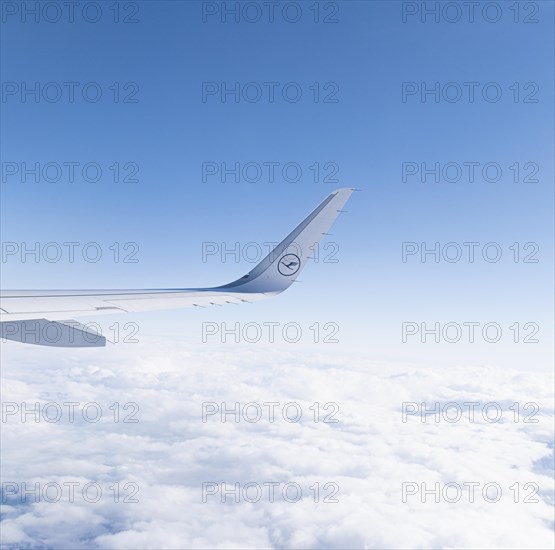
(23, 314)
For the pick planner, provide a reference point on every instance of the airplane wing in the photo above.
(45, 317)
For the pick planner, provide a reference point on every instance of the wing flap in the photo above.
(61, 307)
(41, 332)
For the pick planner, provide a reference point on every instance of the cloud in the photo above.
(362, 460)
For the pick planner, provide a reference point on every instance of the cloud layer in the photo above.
(355, 460)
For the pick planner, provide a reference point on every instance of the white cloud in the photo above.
(368, 454)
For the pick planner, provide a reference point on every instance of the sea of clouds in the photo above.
(366, 461)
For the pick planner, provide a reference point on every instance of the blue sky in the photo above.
(368, 133)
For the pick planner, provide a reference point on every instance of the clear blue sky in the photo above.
(368, 133)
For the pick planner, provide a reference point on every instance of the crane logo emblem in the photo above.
(289, 265)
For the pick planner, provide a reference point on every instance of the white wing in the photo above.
(26, 316)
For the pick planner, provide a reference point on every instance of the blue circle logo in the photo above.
(289, 265)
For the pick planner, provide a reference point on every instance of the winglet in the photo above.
(281, 267)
